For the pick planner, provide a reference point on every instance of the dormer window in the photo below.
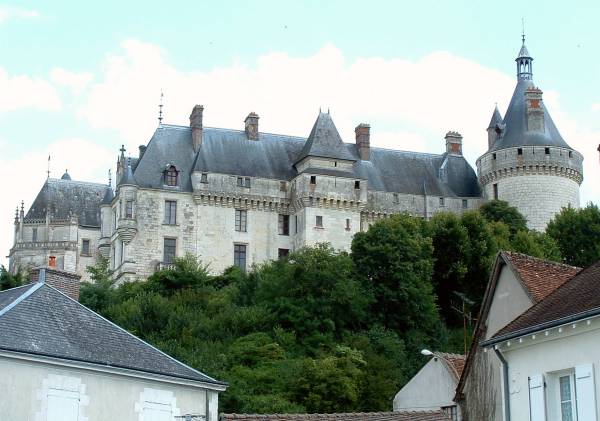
(171, 176)
(204, 178)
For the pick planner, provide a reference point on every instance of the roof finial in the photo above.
(48, 171)
(523, 30)
(160, 109)
(109, 178)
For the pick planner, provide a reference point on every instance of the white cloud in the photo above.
(27, 92)
(9, 12)
(596, 106)
(76, 82)
(65, 154)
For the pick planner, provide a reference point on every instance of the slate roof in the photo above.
(577, 297)
(64, 198)
(516, 133)
(325, 141)
(540, 277)
(356, 416)
(273, 156)
(496, 118)
(45, 322)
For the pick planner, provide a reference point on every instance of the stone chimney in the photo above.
(196, 125)
(363, 141)
(142, 149)
(65, 282)
(453, 143)
(251, 123)
(534, 110)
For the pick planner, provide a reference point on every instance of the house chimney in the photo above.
(534, 110)
(196, 125)
(363, 141)
(65, 282)
(251, 123)
(453, 143)
(142, 149)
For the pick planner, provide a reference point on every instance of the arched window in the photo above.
(171, 176)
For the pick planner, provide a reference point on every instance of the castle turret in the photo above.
(528, 163)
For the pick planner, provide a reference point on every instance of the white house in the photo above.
(517, 283)
(551, 354)
(433, 387)
(60, 361)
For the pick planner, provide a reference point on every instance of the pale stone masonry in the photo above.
(242, 197)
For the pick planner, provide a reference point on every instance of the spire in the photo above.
(160, 109)
(66, 176)
(496, 118)
(128, 177)
(325, 141)
(524, 60)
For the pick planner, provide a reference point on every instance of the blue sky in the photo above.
(78, 79)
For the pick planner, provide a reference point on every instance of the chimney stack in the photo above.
(363, 141)
(65, 282)
(196, 125)
(453, 143)
(142, 149)
(251, 123)
(535, 110)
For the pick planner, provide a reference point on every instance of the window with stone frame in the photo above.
(34, 234)
(347, 224)
(170, 212)
(284, 224)
(241, 219)
(319, 221)
(243, 182)
(239, 256)
(204, 178)
(85, 247)
(495, 188)
(129, 209)
(442, 202)
(169, 250)
(171, 176)
(281, 253)
(465, 203)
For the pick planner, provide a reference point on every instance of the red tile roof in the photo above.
(455, 361)
(540, 277)
(356, 416)
(578, 296)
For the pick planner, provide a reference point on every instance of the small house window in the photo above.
(129, 209)
(170, 212)
(239, 256)
(171, 176)
(465, 204)
(241, 219)
(281, 253)
(547, 151)
(313, 179)
(85, 247)
(319, 221)
(520, 151)
(204, 178)
(357, 184)
(442, 201)
(284, 225)
(169, 250)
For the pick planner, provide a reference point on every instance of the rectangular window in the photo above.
(282, 186)
(241, 219)
(347, 224)
(34, 235)
(495, 187)
(313, 179)
(243, 182)
(356, 185)
(204, 178)
(129, 209)
(85, 247)
(547, 151)
(319, 221)
(520, 151)
(169, 250)
(465, 203)
(442, 202)
(494, 156)
(283, 253)
(62, 405)
(239, 256)
(396, 198)
(114, 219)
(567, 401)
(170, 212)
(284, 225)
(295, 224)
(570, 154)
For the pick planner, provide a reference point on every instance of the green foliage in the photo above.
(536, 244)
(9, 280)
(501, 211)
(577, 233)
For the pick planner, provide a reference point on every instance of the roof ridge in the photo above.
(552, 262)
(20, 298)
(133, 336)
(60, 180)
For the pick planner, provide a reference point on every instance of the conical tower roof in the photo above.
(325, 141)
(128, 178)
(496, 118)
(108, 196)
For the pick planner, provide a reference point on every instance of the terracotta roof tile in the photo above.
(356, 416)
(578, 295)
(539, 276)
(456, 361)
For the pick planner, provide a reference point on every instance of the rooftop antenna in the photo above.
(48, 171)
(160, 109)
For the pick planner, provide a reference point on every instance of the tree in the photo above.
(98, 294)
(536, 244)
(501, 211)
(577, 233)
(9, 280)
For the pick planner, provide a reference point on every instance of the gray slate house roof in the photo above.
(64, 198)
(274, 156)
(38, 320)
(353, 416)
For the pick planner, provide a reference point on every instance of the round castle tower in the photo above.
(528, 163)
